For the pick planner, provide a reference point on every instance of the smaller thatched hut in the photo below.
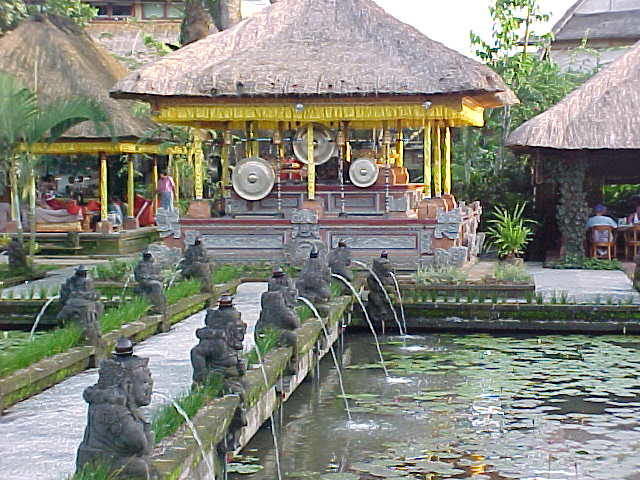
(589, 139)
(57, 59)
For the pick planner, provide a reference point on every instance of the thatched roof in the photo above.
(317, 48)
(69, 64)
(599, 19)
(601, 114)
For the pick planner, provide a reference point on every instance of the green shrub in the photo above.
(511, 273)
(115, 270)
(446, 275)
(266, 340)
(124, 313)
(584, 263)
(509, 232)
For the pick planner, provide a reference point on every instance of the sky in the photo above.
(450, 21)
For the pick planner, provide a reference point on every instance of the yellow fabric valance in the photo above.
(110, 148)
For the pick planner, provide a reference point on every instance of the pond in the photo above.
(464, 406)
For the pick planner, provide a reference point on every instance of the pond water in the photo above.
(465, 406)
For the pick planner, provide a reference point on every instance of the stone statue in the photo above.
(80, 305)
(315, 277)
(377, 305)
(150, 283)
(636, 273)
(339, 261)
(18, 261)
(280, 282)
(276, 314)
(117, 433)
(197, 265)
(220, 347)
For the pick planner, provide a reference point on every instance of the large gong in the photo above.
(324, 146)
(253, 178)
(363, 172)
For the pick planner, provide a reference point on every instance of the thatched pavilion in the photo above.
(589, 139)
(55, 58)
(325, 81)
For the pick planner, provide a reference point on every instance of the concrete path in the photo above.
(39, 436)
(583, 285)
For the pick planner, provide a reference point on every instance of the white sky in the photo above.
(450, 21)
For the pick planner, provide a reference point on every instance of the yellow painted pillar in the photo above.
(399, 146)
(198, 160)
(311, 165)
(154, 182)
(130, 186)
(104, 194)
(224, 161)
(437, 161)
(175, 173)
(427, 159)
(252, 145)
(447, 160)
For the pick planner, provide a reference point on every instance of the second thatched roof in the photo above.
(57, 59)
(601, 114)
(317, 48)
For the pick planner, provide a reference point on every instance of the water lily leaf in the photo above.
(339, 476)
(243, 468)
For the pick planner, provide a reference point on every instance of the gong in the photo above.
(324, 146)
(363, 172)
(253, 178)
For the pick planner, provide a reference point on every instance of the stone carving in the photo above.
(453, 257)
(117, 433)
(168, 222)
(280, 282)
(80, 305)
(196, 264)
(381, 241)
(426, 242)
(377, 305)
(220, 347)
(276, 314)
(164, 256)
(315, 277)
(340, 259)
(18, 261)
(304, 237)
(150, 283)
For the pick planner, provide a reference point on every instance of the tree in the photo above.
(199, 14)
(11, 12)
(485, 169)
(24, 122)
(78, 11)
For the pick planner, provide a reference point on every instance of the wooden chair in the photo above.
(632, 241)
(596, 238)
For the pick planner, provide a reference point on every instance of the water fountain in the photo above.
(80, 305)
(196, 264)
(399, 293)
(366, 316)
(150, 283)
(332, 350)
(41, 314)
(117, 435)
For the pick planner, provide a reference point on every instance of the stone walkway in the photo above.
(40, 435)
(583, 285)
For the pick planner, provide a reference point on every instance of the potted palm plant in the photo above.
(510, 232)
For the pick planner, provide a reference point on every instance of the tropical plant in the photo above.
(11, 12)
(510, 232)
(78, 11)
(24, 121)
(440, 275)
(511, 273)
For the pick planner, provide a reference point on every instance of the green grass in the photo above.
(167, 420)
(115, 270)
(44, 345)
(266, 341)
(228, 272)
(336, 288)
(182, 289)
(445, 275)
(510, 273)
(125, 313)
(95, 472)
(304, 313)
(5, 274)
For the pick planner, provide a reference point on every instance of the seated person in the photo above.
(600, 218)
(634, 217)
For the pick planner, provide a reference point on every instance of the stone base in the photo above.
(428, 207)
(130, 223)
(104, 227)
(315, 206)
(11, 227)
(199, 209)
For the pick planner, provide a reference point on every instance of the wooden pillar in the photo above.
(311, 165)
(130, 184)
(104, 194)
(174, 168)
(427, 159)
(399, 146)
(437, 161)
(154, 182)
(224, 161)
(447, 160)
(198, 160)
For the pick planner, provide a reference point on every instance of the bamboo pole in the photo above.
(447, 160)
(427, 159)
(437, 161)
(104, 194)
(311, 165)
